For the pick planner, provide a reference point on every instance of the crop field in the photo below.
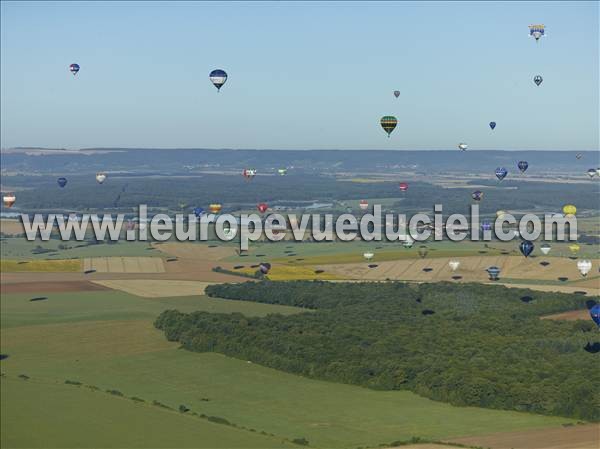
(124, 265)
(148, 288)
(48, 266)
(105, 339)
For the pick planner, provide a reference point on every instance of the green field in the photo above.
(106, 339)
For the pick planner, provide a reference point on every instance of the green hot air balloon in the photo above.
(388, 123)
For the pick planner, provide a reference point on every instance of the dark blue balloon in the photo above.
(477, 195)
(486, 226)
(198, 211)
(501, 173)
(492, 125)
(523, 166)
(526, 248)
(595, 314)
(493, 272)
(62, 181)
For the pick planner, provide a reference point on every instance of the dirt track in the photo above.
(572, 315)
(574, 437)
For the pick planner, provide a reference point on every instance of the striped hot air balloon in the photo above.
(388, 123)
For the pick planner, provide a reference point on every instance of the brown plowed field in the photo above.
(50, 287)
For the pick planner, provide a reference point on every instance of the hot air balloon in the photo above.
(595, 314)
(523, 165)
(536, 31)
(262, 207)
(215, 208)
(598, 171)
(396, 93)
(368, 256)
(229, 233)
(578, 155)
(493, 272)
(218, 78)
(403, 186)
(408, 242)
(486, 226)
(463, 146)
(388, 123)
(574, 248)
(423, 250)
(264, 268)
(130, 225)
(569, 210)
(74, 68)
(62, 181)
(501, 173)
(477, 195)
(500, 213)
(591, 172)
(198, 211)
(454, 264)
(537, 79)
(545, 248)
(249, 173)
(526, 247)
(282, 171)
(100, 177)
(363, 204)
(584, 267)
(492, 125)
(9, 199)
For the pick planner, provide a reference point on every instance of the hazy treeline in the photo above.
(464, 344)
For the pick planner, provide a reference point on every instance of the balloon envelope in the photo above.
(215, 208)
(584, 267)
(62, 181)
(492, 125)
(545, 248)
(493, 273)
(538, 80)
(218, 78)
(595, 314)
(454, 264)
(368, 256)
(523, 165)
(388, 123)
(403, 186)
(396, 93)
(591, 172)
(100, 177)
(501, 173)
(198, 211)
(569, 210)
(477, 195)
(8, 199)
(526, 247)
(74, 68)
(363, 204)
(262, 207)
(265, 268)
(463, 146)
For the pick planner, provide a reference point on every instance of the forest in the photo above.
(468, 345)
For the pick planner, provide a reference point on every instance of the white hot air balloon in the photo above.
(545, 248)
(229, 233)
(9, 199)
(100, 177)
(408, 242)
(454, 264)
(463, 146)
(584, 267)
(368, 256)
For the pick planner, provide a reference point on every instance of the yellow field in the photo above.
(294, 273)
(124, 265)
(48, 266)
(148, 288)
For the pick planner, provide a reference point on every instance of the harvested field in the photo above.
(11, 227)
(42, 266)
(572, 437)
(123, 265)
(571, 315)
(50, 287)
(196, 251)
(147, 288)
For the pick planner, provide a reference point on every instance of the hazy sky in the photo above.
(301, 75)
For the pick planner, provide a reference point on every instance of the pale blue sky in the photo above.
(301, 75)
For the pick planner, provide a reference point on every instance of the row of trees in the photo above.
(478, 345)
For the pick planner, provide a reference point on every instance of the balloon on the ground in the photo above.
(477, 195)
(501, 173)
(403, 186)
(100, 177)
(62, 181)
(526, 247)
(569, 210)
(463, 146)
(218, 78)
(454, 264)
(396, 93)
(492, 125)
(536, 31)
(74, 68)
(523, 165)
(584, 267)
(545, 248)
(595, 314)
(388, 123)
(538, 80)
(8, 199)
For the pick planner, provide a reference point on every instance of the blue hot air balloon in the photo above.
(486, 226)
(493, 272)
(595, 314)
(74, 68)
(526, 247)
(492, 125)
(198, 211)
(62, 181)
(501, 173)
(218, 78)
(477, 195)
(523, 165)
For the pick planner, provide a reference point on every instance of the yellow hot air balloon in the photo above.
(569, 210)
(574, 248)
(215, 208)
(500, 214)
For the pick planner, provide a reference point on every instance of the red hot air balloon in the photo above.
(363, 204)
(403, 186)
(262, 207)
